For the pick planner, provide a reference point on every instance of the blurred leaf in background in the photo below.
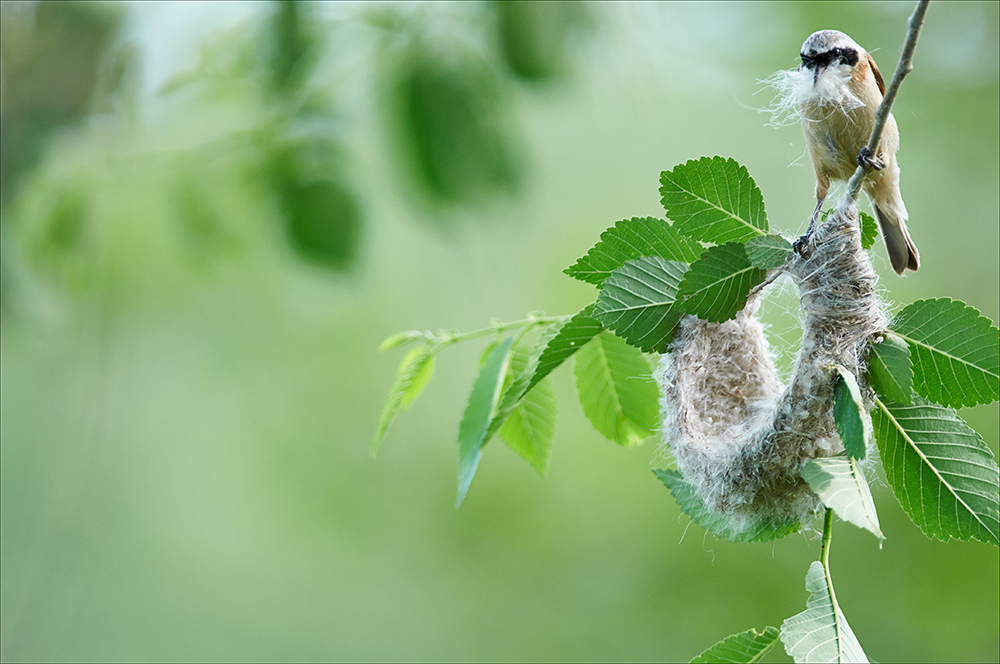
(534, 36)
(453, 123)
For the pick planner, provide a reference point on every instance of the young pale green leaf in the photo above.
(399, 339)
(637, 302)
(890, 370)
(531, 426)
(869, 231)
(630, 239)
(820, 633)
(848, 407)
(716, 286)
(553, 348)
(749, 647)
(475, 421)
(767, 251)
(420, 379)
(941, 471)
(842, 487)
(768, 529)
(411, 378)
(713, 199)
(616, 390)
(955, 352)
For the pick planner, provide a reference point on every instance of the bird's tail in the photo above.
(902, 252)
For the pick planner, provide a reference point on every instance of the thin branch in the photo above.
(904, 67)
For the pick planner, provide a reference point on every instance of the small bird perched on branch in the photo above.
(838, 88)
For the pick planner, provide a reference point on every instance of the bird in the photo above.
(838, 88)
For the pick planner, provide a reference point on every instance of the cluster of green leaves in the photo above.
(650, 272)
(704, 259)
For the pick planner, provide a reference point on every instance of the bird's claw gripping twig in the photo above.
(868, 159)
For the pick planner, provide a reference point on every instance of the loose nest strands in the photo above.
(740, 438)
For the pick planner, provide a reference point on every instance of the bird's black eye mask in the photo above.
(843, 56)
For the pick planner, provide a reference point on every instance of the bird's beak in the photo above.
(815, 75)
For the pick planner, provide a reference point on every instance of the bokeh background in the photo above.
(213, 214)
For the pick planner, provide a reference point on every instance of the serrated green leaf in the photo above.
(572, 336)
(531, 426)
(749, 647)
(717, 285)
(889, 369)
(842, 487)
(420, 379)
(475, 421)
(955, 352)
(552, 349)
(411, 378)
(616, 390)
(869, 231)
(941, 471)
(713, 199)
(637, 302)
(768, 251)
(820, 633)
(765, 530)
(848, 406)
(630, 239)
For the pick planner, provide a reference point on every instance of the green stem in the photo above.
(825, 549)
(825, 560)
(442, 339)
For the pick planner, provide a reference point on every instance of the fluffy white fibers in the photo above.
(739, 436)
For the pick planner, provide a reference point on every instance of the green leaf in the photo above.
(555, 349)
(716, 286)
(482, 402)
(955, 352)
(848, 405)
(637, 302)
(531, 426)
(820, 633)
(713, 199)
(421, 377)
(841, 486)
(411, 378)
(630, 239)
(941, 471)
(399, 339)
(579, 330)
(889, 369)
(869, 231)
(453, 125)
(617, 390)
(767, 251)
(749, 646)
(765, 530)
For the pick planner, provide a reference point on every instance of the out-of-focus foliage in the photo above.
(533, 36)
(452, 124)
(446, 102)
(52, 54)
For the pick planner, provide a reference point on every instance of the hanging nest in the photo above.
(740, 438)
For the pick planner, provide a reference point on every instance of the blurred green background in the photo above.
(212, 215)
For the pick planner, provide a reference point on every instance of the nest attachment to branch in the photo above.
(740, 438)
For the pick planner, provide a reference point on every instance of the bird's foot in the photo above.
(869, 160)
(801, 245)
